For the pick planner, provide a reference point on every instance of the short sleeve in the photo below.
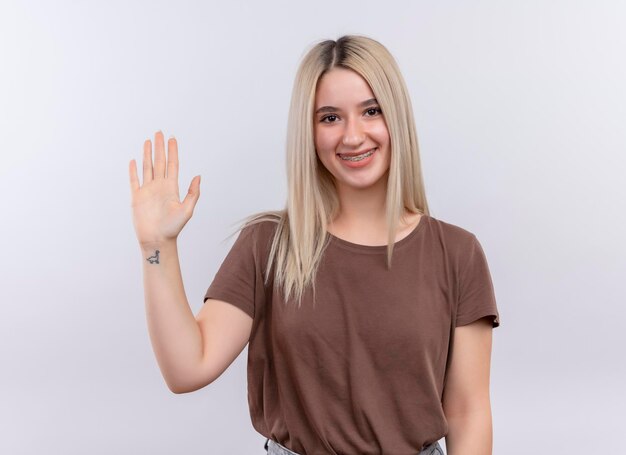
(235, 280)
(476, 293)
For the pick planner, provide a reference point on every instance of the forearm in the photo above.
(174, 332)
(471, 433)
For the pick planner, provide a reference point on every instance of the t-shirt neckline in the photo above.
(379, 248)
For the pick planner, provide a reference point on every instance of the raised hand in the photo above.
(158, 214)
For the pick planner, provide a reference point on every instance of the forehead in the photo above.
(341, 86)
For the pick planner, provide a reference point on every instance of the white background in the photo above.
(520, 112)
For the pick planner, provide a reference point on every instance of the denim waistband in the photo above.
(274, 448)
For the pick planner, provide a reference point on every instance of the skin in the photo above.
(466, 401)
(351, 127)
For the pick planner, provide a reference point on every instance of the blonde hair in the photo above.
(301, 235)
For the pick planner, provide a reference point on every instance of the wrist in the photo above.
(151, 247)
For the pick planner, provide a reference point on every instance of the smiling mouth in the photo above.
(360, 157)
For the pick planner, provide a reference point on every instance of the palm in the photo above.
(158, 213)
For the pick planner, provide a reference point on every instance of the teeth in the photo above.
(358, 157)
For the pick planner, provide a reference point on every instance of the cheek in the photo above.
(325, 140)
(381, 133)
(320, 147)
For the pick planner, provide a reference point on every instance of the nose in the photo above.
(354, 134)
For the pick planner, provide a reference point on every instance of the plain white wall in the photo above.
(520, 117)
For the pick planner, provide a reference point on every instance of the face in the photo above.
(347, 122)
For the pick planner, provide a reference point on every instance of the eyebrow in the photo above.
(333, 109)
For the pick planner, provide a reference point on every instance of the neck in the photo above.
(363, 208)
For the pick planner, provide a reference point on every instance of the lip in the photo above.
(361, 164)
(356, 153)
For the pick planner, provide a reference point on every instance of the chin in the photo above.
(363, 184)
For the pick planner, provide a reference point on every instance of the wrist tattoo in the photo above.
(154, 259)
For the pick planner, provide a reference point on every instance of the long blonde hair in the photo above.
(301, 235)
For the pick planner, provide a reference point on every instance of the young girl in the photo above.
(369, 322)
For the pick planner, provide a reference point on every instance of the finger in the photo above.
(192, 194)
(147, 161)
(134, 180)
(172, 159)
(159, 156)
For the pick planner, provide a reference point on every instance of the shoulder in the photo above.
(453, 235)
(258, 231)
(260, 228)
(460, 245)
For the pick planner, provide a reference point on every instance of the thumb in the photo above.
(192, 194)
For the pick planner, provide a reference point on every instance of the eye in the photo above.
(323, 119)
(375, 109)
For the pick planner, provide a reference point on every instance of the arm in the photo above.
(174, 332)
(192, 352)
(466, 401)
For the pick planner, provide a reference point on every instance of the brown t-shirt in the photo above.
(363, 371)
